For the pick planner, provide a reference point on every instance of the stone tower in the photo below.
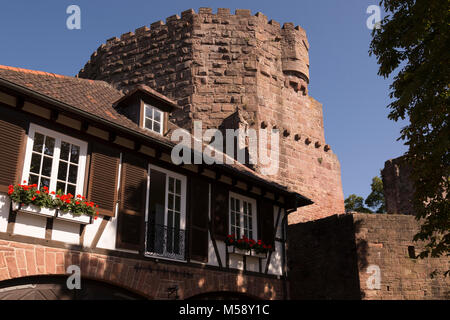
(217, 65)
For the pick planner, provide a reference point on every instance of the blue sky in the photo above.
(343, 76)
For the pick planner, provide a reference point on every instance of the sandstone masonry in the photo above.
(330, 259)
(214, 65)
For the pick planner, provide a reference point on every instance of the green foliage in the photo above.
(375, 199)
(355, 203)
(414, 39)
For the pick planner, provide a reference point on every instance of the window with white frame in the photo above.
(54, 160)
(153, 119)
(242, 216)
(166, 213)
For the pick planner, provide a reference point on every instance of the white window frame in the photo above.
(59, 137)
(241, 222)
(183, 180)
(161, 127)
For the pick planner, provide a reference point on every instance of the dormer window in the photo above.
(154, 119)
(147, 108)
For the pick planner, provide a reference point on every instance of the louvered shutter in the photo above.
(12, 145)
(220, 212)
(103, 173)
(132, 202)
(199, 215)
(266, 222)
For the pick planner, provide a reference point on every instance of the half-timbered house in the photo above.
(161, 229)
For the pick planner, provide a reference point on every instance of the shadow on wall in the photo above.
(322, 260)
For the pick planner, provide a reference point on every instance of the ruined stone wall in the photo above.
(334, 257)
(397, 187)
(213, 64)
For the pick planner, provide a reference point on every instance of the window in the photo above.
(165, 217)
(54, 160)
(154, 119)
(242, 216)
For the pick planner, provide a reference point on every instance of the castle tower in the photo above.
(216, 64)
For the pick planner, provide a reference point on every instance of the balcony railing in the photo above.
(167, 242)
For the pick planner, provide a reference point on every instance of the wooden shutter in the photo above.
(220, 212)
(12, 144)
(266, 222)
(199, 215)
(132, 198)
(104, 167)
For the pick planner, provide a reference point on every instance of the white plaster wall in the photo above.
(236, 261)
(90, 232)
(64, 231)
(108, 238)
(30, 225)
(252, 264)
(4, 211)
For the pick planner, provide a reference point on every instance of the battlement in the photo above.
(293, 39)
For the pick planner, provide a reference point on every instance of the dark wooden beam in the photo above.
(20, 102)
(112, 136)
(54, 115)
(84, 126)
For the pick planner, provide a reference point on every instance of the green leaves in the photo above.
(415, 37)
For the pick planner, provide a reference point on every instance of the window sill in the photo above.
(249, 253)
(51, 213)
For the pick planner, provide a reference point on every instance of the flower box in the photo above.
(33, 210)
(67, 216)
(261, 255)
(234, 250)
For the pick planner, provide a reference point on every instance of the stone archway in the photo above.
(54, 288)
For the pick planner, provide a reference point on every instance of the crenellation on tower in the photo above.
(214, 65)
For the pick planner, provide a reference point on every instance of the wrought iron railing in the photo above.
(163, 241)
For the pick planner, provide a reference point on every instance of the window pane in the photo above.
(232, 204)
(38, 142)
(65, 149)
(157, 116)
(35, 163)
(176, 224)
(177, 203)
(45, 183)
(47, 166)
(156, 127)
(170, 200)
(33, 179)
(71, 189)
(149, 112)
(148, 123)
(61, 186)
(73, 171)
(75, 154)
(233, 221)
(49, 146)
(178, 188)
(171, 183)
(62, 170)
(249, 208)
(169, 219)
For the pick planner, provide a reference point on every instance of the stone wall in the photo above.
(213, 64)
(397, 187)
(147, 278)
(339, 257)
